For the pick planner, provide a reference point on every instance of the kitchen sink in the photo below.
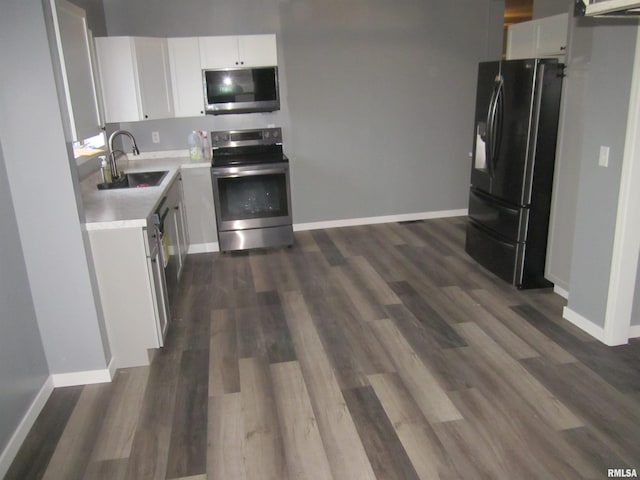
(136, 180)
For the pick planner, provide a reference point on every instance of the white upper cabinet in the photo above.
(238, 51)
(543, 37)
(551, 35)
(135, 78)
(74, 48)
(186, 76)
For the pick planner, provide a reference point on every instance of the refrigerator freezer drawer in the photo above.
(506, 220)
(501, 257)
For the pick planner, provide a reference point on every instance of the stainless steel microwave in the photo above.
(241, 90)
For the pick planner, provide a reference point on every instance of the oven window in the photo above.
(255, 196)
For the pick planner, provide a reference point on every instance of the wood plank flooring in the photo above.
(369, 352)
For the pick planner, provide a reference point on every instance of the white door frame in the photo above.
(626, 243)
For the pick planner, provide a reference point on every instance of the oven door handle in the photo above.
(244, 172)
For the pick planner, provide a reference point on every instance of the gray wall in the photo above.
(608, 47)
(95, 15)
(43, 184)
(546, 8)
(378, 97)
(23, 366)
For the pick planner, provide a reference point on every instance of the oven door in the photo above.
(252, 196)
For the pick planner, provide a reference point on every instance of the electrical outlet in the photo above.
(603, 159)
(155, 137)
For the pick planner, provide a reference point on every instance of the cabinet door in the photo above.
(181, 222)
(257, 50)
(521, 41)
(218, 52)
(158, 291)
(238, 51)
(154, 79)
(118, 79)
(186, 76)
(73, 42)
(199, 209)
(551, 35)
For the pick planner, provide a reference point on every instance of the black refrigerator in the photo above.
(516, 124)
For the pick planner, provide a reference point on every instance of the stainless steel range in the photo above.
(252, 197)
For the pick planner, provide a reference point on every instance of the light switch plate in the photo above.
(603, 159)
(155, 137)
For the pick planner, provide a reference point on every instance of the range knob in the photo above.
(275, 132)
(216, 138)
(267, 134)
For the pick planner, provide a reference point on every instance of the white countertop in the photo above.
(129, 207)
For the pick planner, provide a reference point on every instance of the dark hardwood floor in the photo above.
(364, 352)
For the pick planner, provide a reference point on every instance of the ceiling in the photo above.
(516, 11)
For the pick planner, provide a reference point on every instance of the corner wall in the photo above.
(610, 54)
(23, 366)
(41, 177)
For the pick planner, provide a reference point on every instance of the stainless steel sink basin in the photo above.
(136, 180)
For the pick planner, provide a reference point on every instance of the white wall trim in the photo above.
(584, 324)
(203, 248)
(112, 367)
(352, 222)
(561, 291)
(626, 242)
(53, 381)
(634, 331)
(86, 377)
(15, 442)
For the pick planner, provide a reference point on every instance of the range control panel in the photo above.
(243, 138)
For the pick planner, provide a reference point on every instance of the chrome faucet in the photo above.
(112, 153)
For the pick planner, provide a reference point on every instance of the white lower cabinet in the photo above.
(199, 209)
(175, 230)
(130, 278)
(155, 266)
(137, 270)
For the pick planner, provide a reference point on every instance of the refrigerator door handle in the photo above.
(490, 126)
(497, 120)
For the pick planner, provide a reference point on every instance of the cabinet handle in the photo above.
(241, 63)
(563, 48)
(153, 260)
(146, 116)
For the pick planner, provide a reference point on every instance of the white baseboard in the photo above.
(84, 378)
(561, 291)
(19, 435)
(352, 222)
(634, 331)
(203, 248)
(583, 323)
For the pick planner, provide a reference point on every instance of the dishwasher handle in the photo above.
(160, 215)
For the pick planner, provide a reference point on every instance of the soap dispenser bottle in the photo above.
(106, 170)
(195, 146)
